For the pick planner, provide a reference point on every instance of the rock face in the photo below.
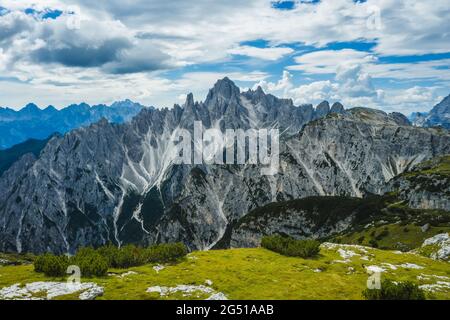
(34, 123)
(119, 182)
(426, 185)
(313, 217)
(400, 118)
(337, 107)
(438, 116)
(441, 245)
(11, 155)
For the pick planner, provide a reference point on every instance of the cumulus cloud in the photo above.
(261, 53)
(105, 44)
(120, 41)
(13, 24)
(354, 88)
(350, 85)
(328, 61)
(283, 86)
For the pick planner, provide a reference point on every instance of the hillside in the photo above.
(381, 221)
(11, 155)
(339, 272)
(426, 185)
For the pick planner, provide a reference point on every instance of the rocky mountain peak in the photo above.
(30, 108)
(439, 115)
(224, 89)
(337, 107)
(189, 103)
(400, 118)
(322, 109)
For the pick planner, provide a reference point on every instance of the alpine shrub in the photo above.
(389, 290)
(290, 247)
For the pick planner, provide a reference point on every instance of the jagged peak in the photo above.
(30, 107)
(189, 100)
(259, 89)
(337, 107)
(127, 103)
(50, 108)
(323, 105)
(225, 89)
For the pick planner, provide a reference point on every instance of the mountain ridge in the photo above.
(439, 115)
(117, 182)
(31, 122)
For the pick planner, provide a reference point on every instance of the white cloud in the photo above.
(283, 86)
(354, 88)
(314, 92)
(261, 53)
(328, 61)
(181, 33)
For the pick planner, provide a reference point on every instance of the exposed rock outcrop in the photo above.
(119, 183)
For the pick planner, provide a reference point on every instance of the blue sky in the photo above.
(391, 55)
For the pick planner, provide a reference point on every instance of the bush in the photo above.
(382, 234)
(373, 243)
(95, 262)
(129, 256)
(51, 265)
(395, 291)
(290, 247)
(164, 253)
(111, 253)
(91, 263)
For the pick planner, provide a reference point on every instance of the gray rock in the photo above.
(337, 107)
(439, 115)
(116, 183)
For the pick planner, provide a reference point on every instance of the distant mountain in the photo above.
(33, 123)
(121, 183)
(438, 116)
(11, 155)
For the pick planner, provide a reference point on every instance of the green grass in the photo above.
(438, 166)
(404, 237)
(253, 274)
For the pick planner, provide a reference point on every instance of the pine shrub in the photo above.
(390, 290)
(290, 247)
(51, 265)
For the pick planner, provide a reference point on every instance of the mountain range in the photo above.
(31, 122)
(119, 183)
(439, 115)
